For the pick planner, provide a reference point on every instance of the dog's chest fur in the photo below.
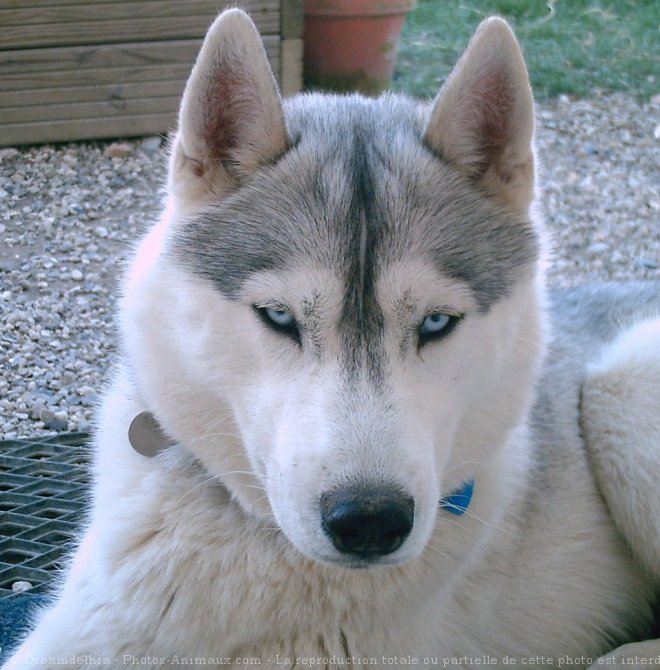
(197, 557)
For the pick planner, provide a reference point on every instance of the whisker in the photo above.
(250, 473)
(471, 514)
(253, 486)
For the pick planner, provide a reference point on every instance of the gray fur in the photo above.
(357, 189)
(583, 320)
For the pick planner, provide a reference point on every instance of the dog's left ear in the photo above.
(483, 118)
(231, 120)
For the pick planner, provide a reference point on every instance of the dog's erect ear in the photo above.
(231, 120)
(483, 118)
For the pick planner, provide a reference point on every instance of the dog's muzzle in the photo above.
(367, 521)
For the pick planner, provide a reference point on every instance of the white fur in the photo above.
(621, 401)
(213, 549)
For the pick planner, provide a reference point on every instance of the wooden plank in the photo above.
(100, 77)
(85, 69)
(25, 14)
(19, 14)
(292, 66)
(10, 4)
(65, 131)
(117, 31)
(107, 7)
(250, 6)
(114, 55)
(80, 58)
(105, 66)
(292, 19)
(82, 94)
(90, 110)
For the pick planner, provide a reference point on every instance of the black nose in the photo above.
(367, 521)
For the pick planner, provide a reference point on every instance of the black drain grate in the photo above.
(43, 493)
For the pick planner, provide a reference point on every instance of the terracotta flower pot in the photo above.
(352, 44)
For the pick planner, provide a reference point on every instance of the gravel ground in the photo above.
(68, 214)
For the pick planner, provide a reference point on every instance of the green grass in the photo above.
(576, 47)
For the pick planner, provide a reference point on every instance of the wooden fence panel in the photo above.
(82, 69)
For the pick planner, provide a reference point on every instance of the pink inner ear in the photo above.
(226, 106)
(492, 98)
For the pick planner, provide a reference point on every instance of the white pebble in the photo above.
(21, 587)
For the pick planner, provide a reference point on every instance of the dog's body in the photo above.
(339, 322)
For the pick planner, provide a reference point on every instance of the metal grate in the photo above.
(43, 493)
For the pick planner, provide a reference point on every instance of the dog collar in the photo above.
(459, 500)
(146, 435)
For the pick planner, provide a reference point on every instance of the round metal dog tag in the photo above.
(146, 436)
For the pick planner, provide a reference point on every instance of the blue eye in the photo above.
(279, 320)
(280, 317)
(436, 325)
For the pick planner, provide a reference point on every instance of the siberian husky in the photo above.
(335, 437)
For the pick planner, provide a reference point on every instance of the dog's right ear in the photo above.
(231, 120)
(483, 118)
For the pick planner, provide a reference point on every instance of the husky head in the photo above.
(338, 314)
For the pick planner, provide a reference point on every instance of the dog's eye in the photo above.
(436, 325)
(280, 320)
(280, 317)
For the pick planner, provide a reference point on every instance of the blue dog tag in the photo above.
(458, 501)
